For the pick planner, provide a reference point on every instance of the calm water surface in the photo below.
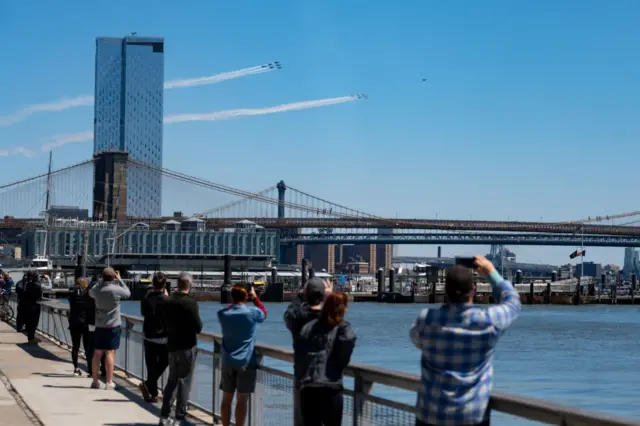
(585, 356)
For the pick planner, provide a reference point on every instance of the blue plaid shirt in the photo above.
(457, 344)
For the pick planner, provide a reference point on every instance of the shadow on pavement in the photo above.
(38, 352)
(67, 387)
(57, 375)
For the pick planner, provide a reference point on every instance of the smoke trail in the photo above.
(60, 105)
(226, 115)
(217, 78)
(57, 141)
(87, 100)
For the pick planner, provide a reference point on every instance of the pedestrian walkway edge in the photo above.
(20, 401)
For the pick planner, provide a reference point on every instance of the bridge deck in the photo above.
(42, 378)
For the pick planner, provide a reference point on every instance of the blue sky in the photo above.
(530, 110)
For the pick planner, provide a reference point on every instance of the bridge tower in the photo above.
(281, 190)
(110, 186)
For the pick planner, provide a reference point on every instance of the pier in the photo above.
(38, 387)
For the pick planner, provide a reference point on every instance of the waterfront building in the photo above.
(129, 90)
(67, 243)
(631, 261)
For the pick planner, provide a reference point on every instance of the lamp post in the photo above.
(111, 241)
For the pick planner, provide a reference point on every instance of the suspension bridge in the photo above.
(302, 218)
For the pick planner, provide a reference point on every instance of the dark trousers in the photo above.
(31, 320)
(181, 366)
(321, 406)
(157, 360)
(420, 423)
(81, 333)
(20, 316)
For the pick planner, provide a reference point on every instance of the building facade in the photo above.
(67, 243)
(128, 115)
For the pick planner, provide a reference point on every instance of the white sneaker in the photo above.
(110, 386)
(95, 384)
(164, 421)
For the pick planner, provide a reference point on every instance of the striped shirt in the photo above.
(457, 343)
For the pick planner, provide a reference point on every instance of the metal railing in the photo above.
(273, 401)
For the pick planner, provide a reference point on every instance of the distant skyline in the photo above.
(528, 112)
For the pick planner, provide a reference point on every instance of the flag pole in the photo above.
(581, 254)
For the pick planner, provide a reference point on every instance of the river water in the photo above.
(584, 356)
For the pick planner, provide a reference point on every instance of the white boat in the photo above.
(41, 264)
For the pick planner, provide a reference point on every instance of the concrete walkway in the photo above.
(42, 377)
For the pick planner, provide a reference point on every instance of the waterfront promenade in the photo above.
(47, 394)
(38, 388)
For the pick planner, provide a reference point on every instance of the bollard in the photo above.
(304, 274)
(380, 278)
(225, 290)
(518, 276)
(530, 301)
(274, 275)
(576, 297)
(392, 280)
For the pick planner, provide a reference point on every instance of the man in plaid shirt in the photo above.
(457, 343)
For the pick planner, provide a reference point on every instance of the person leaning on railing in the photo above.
(239, 365)
(458, 341)
(324, 350)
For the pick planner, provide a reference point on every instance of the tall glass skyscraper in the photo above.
(129, 88)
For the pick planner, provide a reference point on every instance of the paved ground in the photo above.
(42, 377)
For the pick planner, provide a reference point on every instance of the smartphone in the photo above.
(467, 262)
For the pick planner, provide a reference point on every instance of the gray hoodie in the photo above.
(107, 296)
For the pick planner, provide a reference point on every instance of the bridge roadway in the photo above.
(388, 223)
(461, 238)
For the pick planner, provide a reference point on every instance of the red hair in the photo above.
(239, 294)
(334, 308)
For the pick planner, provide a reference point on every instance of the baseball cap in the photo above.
(315, 288)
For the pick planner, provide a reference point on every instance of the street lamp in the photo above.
(111, 241)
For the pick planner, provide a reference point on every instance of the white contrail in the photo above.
(217, 78)
(233, 113)
(57, 141)
(87, 100)
(61, 105)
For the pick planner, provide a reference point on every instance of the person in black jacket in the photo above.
(184, 325)
(20, 317)
(152, 308)
(324, 350)
(80, 307)
(31, 298)
(304, 308)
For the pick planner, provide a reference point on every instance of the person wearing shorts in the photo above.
(107, 294)
(239, 365)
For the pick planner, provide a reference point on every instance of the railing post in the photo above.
(256, 400)
(361, 388)
(127, 334)
(215, 368)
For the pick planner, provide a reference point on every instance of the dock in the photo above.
(38, 388)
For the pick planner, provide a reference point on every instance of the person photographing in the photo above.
(457, 342)
(107, 295)
(239, 364)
